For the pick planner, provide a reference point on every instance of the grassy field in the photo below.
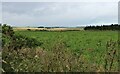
(92, 45)
(61, 51)
(75, 40)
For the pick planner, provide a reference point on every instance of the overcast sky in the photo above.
(60, 0)
(59, 13)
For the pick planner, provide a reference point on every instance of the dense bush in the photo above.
(7, 30)
(13, 41)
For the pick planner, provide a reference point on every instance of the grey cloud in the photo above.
(60, 0)
(62, 14)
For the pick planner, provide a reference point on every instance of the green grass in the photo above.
(75, 40)
(92, 48)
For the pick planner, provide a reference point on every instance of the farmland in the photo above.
(92, 45)
(75, 40)
(63, 51)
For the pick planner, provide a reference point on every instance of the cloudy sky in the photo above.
(59, 13)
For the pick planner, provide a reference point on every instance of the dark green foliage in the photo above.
(104, 27)
(29, 29)
(13, 41)
(19, 41)
(12, 44)
(7, 30)
(41, 27)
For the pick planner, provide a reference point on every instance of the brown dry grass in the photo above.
(51, 29)
(23, 28)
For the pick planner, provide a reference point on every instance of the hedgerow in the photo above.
(14, 42)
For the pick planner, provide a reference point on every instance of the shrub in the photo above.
(12, 45)
(14, 42)
(29, 29)
(7, 30)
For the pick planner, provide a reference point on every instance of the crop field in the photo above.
(59, 51)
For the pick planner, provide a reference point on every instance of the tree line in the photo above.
(103, 27)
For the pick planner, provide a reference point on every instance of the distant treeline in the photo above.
(50, 27)
(103, 27)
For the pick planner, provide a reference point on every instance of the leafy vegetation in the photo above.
(13, 41)
(80, 51)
